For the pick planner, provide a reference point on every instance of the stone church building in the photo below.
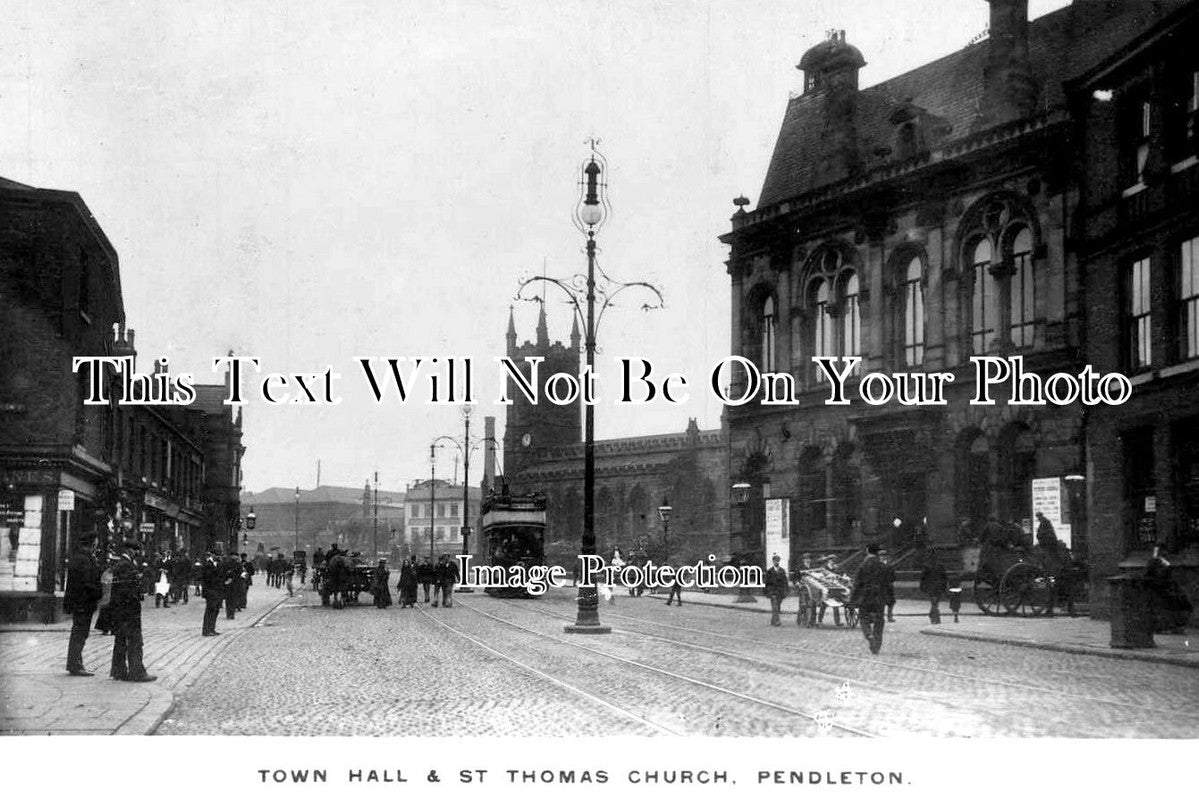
(635, 476)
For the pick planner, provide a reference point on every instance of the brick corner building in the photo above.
(163, 473)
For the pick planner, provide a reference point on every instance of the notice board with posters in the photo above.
(778, 530)
(1049, 499)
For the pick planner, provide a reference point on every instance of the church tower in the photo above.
(531, 429)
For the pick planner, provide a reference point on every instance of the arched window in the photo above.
(982, 327)
(822, 343)
(913, 313)
(851, 338)
(1024, 307)
(768, 335)
(1000, 229)
(832, 294)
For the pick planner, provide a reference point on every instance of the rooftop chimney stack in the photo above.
(1009, 89)
(834, 62)
(831, 75)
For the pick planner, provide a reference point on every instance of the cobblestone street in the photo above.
(491, 667)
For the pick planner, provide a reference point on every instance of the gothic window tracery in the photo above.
(832, 298)
(999, 274)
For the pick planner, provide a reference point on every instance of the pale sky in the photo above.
(310, 182)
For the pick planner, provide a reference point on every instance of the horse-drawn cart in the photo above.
(1014, 580)
(818, 589)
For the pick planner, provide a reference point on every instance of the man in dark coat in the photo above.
(180, 575)
(776, 589)
(425, 575)
(934, 583)
(231, 580)
(212, 585)
(447, 576)
(82, 595)
(869, 596)
(1171, 607)
(247, 572)
(676, 589)
(127, 617)
(889, 589)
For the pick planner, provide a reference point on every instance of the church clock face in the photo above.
(526, 440)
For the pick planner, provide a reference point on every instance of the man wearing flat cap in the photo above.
(776, 589)
(82, 595)
(126, 607)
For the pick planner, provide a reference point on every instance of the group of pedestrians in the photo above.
(168, 579)
(118, 586)
(224, 581)
(116, 583)
(279, 571)
(340, 576)
(440, 578)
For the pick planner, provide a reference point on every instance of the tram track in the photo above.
(595, 699)
(710, 687)
(1056, 692)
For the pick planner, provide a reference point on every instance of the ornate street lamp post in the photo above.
(466, 448)
(251, 521)
(664, 512)
(465, 482)
(432, 496)
(297, 547)
(589, 216)
(741, 498)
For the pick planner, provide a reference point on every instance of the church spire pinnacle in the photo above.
(511, 331)
(543, 334)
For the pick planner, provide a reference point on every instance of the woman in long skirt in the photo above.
(407, 585)
(379, 587)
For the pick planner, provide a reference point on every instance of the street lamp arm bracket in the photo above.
(574, 292)
(658, 300)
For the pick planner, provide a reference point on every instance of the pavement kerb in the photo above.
(168, 704)
(762, 606)
(1127, 655)
(151, 715)
(1115, 652)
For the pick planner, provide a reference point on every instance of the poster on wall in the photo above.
(1047, 498)
(778, 530)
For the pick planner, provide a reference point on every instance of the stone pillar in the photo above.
(934, 302)
(737, 300)
(1001, 270)
(1050, 275)
(782, 312)
(1163, 478)
(870, 308)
